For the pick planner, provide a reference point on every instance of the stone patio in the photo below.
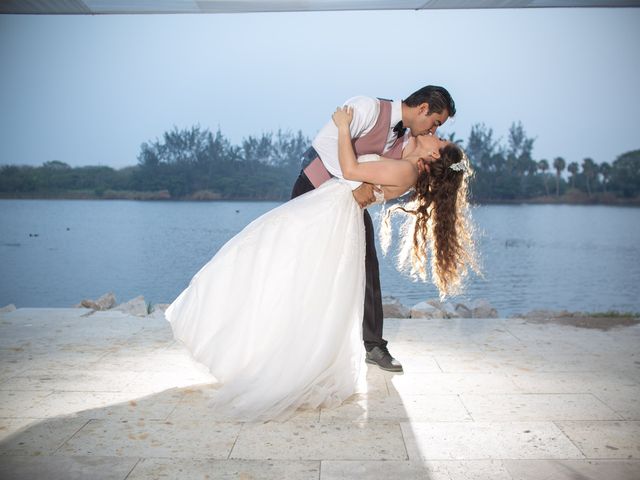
(107, 395)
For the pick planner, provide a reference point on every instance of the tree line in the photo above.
(191, 163)
(507, 171)
(195, 163)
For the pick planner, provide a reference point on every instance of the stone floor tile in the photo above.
(561, 361)
(43, 314)
(57, 360)
(153, 382)
(155, 360)
(451, 383)
(632, 373)
(573, 469)
(72, 380)
(484, 362)
(432, 345)
(12, 362)
(9, 426)
(537, 406)
(362, 408)
(197, 439)
(65, 327)
(421, 470)
(496, 340)
(16, 403)
(604, 439)
(40, 437)
(550, 338)
(624, 400)
(195, 404)
(425, 342)
(418, 362)
(180, 468)
(57, 467)
(320, 441)
(573, 382)
(112, 405)
(486, 440)
(377, 381)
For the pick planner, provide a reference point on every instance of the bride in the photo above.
(276, 314)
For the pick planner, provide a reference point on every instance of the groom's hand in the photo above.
(364, 194)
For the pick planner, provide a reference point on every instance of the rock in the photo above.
(86, 303)
(157, 313)
(8, 308)
(449, 310)
(435, 303)
(426, 310)
(477, 309)
(393, 308)
(463, 311)
(105, 302)
(481, 308)
(136, 306)
(446, 309)
(163, 307)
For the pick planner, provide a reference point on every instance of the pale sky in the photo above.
(88, 90)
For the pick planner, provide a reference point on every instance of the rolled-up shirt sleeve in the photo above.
(365, 115)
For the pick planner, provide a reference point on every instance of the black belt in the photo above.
(309, 156)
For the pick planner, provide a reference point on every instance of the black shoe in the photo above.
(381, 357)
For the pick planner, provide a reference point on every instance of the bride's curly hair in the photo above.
(438, 228)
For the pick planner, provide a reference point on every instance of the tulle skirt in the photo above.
(276, 314)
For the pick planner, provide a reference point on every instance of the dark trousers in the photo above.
(372, 320)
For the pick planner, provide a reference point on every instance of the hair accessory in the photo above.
(461, 166)
(458, 167)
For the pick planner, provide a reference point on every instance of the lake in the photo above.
(533, 256)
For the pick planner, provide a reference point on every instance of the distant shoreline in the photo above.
(162, 195)
(614, 202)
(207, 196)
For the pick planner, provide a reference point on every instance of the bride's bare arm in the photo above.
(394, 192)
(383, 172)
(391, 192)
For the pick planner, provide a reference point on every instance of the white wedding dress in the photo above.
(276, 314)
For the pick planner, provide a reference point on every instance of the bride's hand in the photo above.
(342, 116)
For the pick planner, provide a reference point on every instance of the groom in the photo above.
(378, 126)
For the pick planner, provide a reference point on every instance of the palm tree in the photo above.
(573, 169)
(605, 171)
(558, 164)
(589, 169)
(452, 138)
(543, 166)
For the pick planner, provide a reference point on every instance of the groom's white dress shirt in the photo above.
(365, 115)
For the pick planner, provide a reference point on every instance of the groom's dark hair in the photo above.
(438, 99)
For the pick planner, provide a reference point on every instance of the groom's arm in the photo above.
(365, 115)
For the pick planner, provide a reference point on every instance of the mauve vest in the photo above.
(372, 142)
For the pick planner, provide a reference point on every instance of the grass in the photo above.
(612, 314)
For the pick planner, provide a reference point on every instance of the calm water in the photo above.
(534, 256)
